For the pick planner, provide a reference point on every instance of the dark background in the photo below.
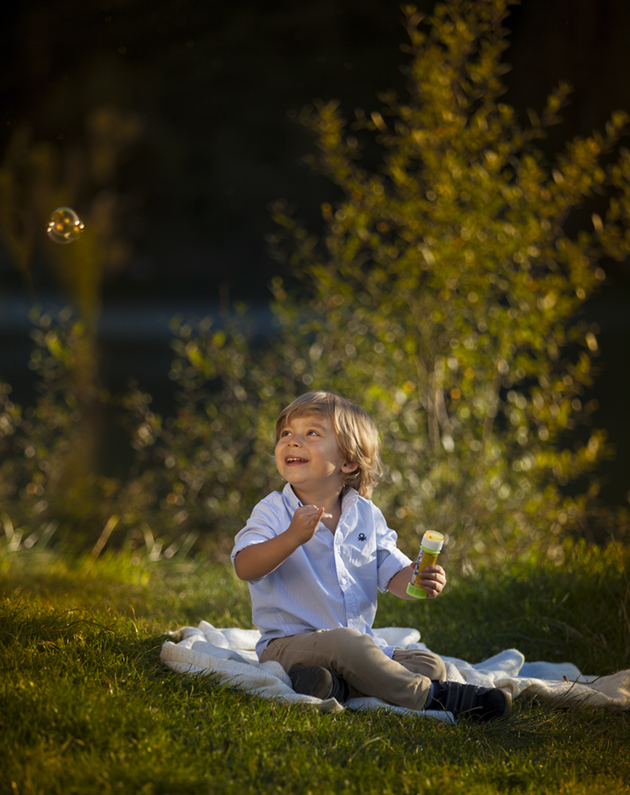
(216, 87)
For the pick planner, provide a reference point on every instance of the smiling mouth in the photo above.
(294, 460)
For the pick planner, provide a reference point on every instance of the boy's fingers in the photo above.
(313, 513)
(309, 510)
(321, 514)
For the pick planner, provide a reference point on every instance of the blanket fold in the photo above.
(229, 655)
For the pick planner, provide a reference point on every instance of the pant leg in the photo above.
(421, 662)
(357, 659)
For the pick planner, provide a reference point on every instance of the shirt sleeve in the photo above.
(261, 526)
(389, 559)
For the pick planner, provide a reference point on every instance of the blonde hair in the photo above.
(355, 431)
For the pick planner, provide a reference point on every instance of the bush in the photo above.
(48, 471)
(445, 294)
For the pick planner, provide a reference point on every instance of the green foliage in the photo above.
(49, 478)
(444, 296)
(40, 446)
(199, 471)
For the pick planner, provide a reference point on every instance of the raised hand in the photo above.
(305, 522)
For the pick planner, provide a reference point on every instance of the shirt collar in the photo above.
(348, 499)
(291, 497)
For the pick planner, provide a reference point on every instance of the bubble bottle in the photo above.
(429, 550)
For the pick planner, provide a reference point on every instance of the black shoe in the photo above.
(477, 703)
(313, 680)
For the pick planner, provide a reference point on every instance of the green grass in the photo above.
(86, 706)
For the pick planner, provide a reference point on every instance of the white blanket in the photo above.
(229, 655)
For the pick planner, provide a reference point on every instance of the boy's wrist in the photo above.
(294, 537)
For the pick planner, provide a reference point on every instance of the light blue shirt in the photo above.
(329, 582)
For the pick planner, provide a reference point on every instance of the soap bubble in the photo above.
(64, 226)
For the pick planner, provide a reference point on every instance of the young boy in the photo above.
(314, 557)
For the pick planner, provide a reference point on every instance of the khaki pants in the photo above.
(403, 680)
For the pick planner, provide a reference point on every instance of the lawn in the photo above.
(86, 705)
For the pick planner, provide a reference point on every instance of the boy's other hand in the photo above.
(432, 580)
(305, 522)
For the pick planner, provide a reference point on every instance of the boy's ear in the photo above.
(348, 468)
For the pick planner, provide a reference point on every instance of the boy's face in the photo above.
(308, 456)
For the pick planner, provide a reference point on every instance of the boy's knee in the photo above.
(438, 671)
(346, 635)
